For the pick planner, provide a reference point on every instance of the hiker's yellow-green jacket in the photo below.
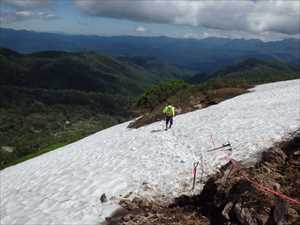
(169, 110)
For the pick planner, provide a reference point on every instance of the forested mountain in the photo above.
(206, 55)
(254, 71)
(52, 98)
(76, 71)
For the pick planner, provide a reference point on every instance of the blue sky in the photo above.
(266, 20)
(69, 19)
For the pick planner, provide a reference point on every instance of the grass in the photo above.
(49, 148)
(37, 133)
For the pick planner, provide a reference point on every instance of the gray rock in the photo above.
(296, 153)
(8, 149)
(244, 215)
(103, 198)
(227, 209)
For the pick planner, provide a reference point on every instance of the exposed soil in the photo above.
(148, 213)
(228, 198)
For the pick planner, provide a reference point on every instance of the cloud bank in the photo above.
(276, 16)
(25, 3)
(12, 17)
(25, 10)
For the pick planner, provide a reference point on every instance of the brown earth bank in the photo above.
(234, 196)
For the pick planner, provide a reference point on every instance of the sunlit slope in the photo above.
(64, 186)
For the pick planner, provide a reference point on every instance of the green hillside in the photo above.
(204, 90)
(254, 71)
(164, 71)
(49, 99)
(77, 71)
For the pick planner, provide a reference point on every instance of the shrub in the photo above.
(160, 93)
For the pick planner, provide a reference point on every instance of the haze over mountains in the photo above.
(206, 55)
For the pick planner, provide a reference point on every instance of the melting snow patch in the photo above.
(64, 186)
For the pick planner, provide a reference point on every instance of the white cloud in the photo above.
(140, 29)
(12, 17)
(25, 3)
(24, 13)
(20, 10)
(41, 13)
(278, 16)
(191, 35)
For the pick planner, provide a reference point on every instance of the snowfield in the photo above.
(64, 186)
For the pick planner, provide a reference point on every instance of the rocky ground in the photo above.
(234, 196)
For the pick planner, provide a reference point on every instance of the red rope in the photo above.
(257, 185)
(265, 189)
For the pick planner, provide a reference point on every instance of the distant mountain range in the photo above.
(206, 55)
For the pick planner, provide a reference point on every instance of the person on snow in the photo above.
(169, 112)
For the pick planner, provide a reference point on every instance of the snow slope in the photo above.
(64, 186)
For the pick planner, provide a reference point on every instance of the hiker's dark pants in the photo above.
(169, 120)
